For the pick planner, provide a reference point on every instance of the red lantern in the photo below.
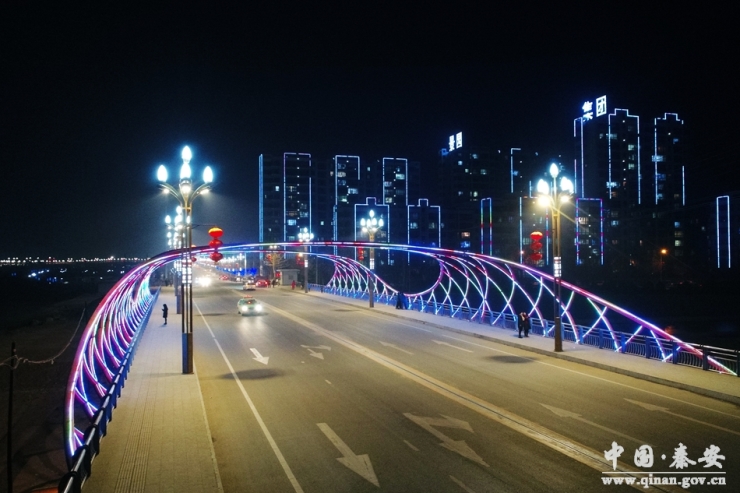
(193, 259)
(215, 232)
(216, 256)
(536, 246)
(215, 243)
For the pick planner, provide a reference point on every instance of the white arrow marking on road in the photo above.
(315, 354)
(567, 414)
(259, 357)
(325, 348)
(395, 347)
(448, 344)
(457, 446)
(358, 463)
(651, 407)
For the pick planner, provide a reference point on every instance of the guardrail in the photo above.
(100, 368)
(646, 346)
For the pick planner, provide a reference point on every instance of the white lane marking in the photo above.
(411, 446)
(652, 407)
(457, 446)
(448, 344)
(286, 468)
(461, 484)
(357, 463)
(259, 357)
(388, 344)
(327, 381)
(568, 414)
(589, 457)
(219, 485)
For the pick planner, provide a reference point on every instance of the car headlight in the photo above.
(243, 308)
(258, 308)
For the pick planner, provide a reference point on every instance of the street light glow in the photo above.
(162, 173)
(208, 175)
(187, 154)
(554, 170)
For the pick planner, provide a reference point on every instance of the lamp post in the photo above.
(185, 193)
(371, 225)
(304, 236)
(554, 197)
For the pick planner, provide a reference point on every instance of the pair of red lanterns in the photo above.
(216, 234)
(536, 246)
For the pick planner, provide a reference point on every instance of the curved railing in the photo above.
(468, 286)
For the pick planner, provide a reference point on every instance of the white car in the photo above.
(249, 285)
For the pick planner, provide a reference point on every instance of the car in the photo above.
(249, 306)
(224, 277)
(249, 285)
(262, 283)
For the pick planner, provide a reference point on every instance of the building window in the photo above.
(400, 176)
(413, 225)
(277, 188)
(465, 234)
(432, 225)
(678, 243)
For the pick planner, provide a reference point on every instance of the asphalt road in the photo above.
(317, 395)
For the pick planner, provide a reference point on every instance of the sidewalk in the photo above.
(711, 384)
(158, 439)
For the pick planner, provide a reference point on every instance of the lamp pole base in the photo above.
(187, 353)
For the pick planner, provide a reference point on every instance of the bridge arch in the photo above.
(475, 287)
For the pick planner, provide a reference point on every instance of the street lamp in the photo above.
(304, 236)
(663, 251)
(554, 197)
(185, 193)
(370, 226)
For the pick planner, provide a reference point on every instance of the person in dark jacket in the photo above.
(400, 301)
(523, 324)
(165, 311)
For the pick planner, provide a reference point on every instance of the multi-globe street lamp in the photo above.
(371, 225)
(554, 197)
(304, 236)
(185, 193)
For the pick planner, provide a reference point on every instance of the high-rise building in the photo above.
(323, 196)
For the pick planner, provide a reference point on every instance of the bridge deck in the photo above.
(159, 440)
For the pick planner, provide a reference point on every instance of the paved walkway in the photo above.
(159, 441)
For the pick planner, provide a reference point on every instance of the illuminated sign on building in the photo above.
(601, 106)
(455, 141)
(588, 108)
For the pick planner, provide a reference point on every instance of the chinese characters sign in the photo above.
(588, 108)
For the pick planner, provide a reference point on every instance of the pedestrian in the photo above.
(522, 323)
(399, 301)
(527, 325)
(165, 311)
(292, 285)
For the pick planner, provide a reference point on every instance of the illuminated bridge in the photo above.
(472, 287)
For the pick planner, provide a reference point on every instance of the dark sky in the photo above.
(94, 99)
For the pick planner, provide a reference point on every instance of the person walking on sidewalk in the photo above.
(399, 301)
(523, 324)
(165, 311)
(527, 324)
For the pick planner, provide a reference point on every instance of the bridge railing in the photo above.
(645, 346)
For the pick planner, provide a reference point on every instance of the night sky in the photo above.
(94, 99)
